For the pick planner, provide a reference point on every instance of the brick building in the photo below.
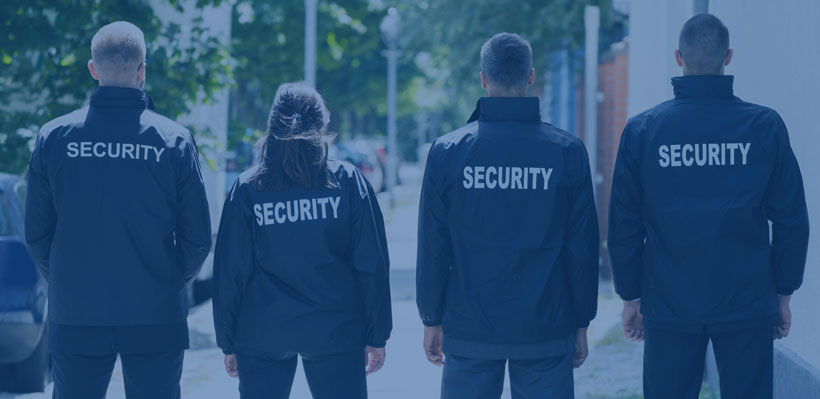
(613, 100)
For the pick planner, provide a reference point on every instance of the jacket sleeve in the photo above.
(435, 252)
(370, 262)
(233, 264)
(41, 217)
(582, 240)
(627, 233)
(785, 206)
(193, 225)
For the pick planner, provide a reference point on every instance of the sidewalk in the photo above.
(613, 369)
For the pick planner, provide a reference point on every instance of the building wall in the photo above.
(777, 53)
(209, 117)
(653, 36)
(612, 115)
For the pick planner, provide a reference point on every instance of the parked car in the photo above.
(364, 156)
(24, 357)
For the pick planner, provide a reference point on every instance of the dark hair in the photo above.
(703, 44)
(293, 151)
(506, 60)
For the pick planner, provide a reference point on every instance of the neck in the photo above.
(123, 85)
(688, 73)
(506, 93)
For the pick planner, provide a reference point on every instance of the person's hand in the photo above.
(632, 321)
(432, 345)
(230, 365)
(374, 359)
(784, 317)
(581, 348)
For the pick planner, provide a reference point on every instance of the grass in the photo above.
(613, 336)
(707, 393)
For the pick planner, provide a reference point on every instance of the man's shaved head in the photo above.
(506, 61)
(704, 45)
(117, 52)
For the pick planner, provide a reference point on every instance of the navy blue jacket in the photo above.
(116, 217)
(697, 180)
(302, 270)
(508, 233)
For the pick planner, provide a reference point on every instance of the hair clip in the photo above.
(296, 116)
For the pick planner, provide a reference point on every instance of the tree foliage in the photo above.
(268, 49)
(449, 35)
(438, 67)
(44, 47)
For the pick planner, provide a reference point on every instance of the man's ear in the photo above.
(483, 80)
(729, 55)
(679, 58)
(93, 70)
(141, 72)
(531, 80)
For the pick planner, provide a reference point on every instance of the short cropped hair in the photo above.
(117, 50)
(703, 44)
(506, 60)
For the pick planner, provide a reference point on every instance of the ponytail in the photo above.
(293, 151)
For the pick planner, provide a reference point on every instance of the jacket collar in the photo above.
(121, 97)
(520, 109)
(703, 86)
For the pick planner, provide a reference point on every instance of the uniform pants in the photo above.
(548, 378)
(673, 363)
(146, 376)
(339, 376)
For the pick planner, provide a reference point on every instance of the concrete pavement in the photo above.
(612, 371)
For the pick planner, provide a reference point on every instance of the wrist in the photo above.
(633, 303)
(377, 345)
(431, 323)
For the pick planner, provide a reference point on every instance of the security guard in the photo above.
(301, 264)
(507, 268)
(118, 222)
(697, 181)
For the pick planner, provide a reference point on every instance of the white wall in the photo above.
(213, 116)
(653, 38)
(777, 64)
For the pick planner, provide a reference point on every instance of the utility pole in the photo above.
(700, 6)
(310, 41)
(592, 20)
(390, 33)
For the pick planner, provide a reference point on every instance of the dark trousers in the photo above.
(548, 378)
(340, 376)
(673, 363)
(146, 376)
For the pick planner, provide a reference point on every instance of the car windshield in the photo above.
(5, 229)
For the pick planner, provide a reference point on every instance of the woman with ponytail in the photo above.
(301, 264)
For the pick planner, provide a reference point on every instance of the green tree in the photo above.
(438, 67)
(44, 47)
(449, 35)
(268, 49)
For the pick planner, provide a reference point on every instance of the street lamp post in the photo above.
(390, 34)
